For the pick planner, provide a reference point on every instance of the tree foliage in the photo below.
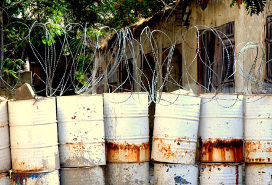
(16, 17)
(252, 6)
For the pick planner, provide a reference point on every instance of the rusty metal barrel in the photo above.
(127, 173)
(175, 128)
(34, 140)
(220, 173)
(258, 128)
(4, 179)
(81, 131)
(126, 127)
(221, 128)
(31, 178)
(258, 174)
(168, 174)
(82, 176)
(5, 162)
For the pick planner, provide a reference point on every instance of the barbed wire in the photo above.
(83, 60)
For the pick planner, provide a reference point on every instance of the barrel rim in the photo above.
(79, 95)
(12, 124)
(81, 167)
(40, 98)
(126, 93)
(178, 94)
(209, 94)
(32, 171)
(225, 164)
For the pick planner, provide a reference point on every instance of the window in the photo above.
(126, 75)
(171, 72)
(148, 68)
(268, 45)
(122, 77)
(216, 59)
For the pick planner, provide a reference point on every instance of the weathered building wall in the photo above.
(247, 29)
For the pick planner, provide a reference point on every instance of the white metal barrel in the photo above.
(46, 178)
(178, 174)
(126, 127)
(175, 128)
(81, 130)
(4, 179)
(33, 130)
(127, 173)
(82, 176)
(221, 128)
(258, 128)
(220, 173)
(258, 174)
(5, 163)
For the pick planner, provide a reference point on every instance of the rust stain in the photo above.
(126, 152)
(220, 150)
(26, 169)
(77, 147)
(164, 148)
(252, 148)
(171, 150)
(237, 175)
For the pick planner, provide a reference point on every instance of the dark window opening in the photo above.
(216, 59)
(148, 67)
(171, 71)
(126, 75)
(268, 45)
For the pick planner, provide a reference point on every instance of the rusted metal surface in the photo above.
(221, 128)
(258, 151)
(82, 176)
(80, 154)
(258, 174)
(5, 162)
(178, 150)
(220, 173)
(127, 173)
(258, 129)
(127, 152)
(220, 150)
(4, 179)
(175, 128)
(168, 174)
(47, 178)
(126, 127)
(35, 159)
(33, 132)
(81, 130)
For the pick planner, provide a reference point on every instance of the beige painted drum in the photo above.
(220, 173)
(34, 137)
(4, 179)
(258, 174)
(169, 174)
(81, 131)
(258, 128)
(5, 161)
(175, 128)
(127, 173)
(82, 176)
(221, 128)
(126, 127)
(46, 178)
